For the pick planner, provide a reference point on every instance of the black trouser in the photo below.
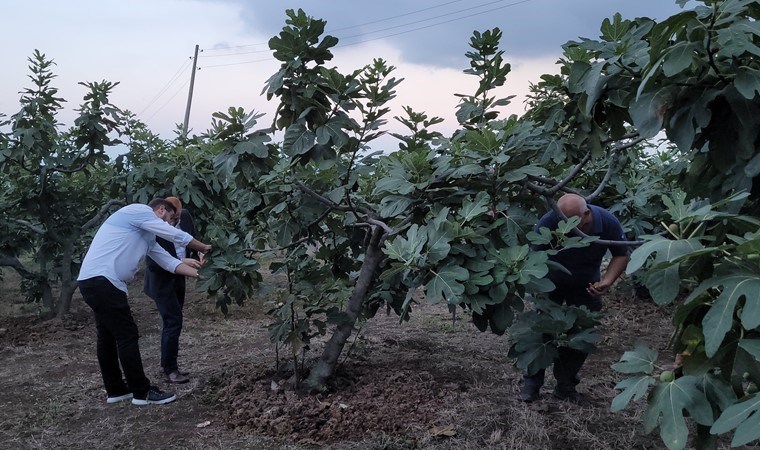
(117, 338)
(569, 361)
(170, 309)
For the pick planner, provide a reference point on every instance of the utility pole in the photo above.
(185, 128)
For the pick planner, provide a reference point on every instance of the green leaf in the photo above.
(744, 418)
(472, 209)
(224, 164)
(406, 249)
(438, 244)
(747, 82)
(530, 350)
(719, 318)
(397, 180)
(615, 30)
(679, 57)
(752, 346)
(632, 389)
(663, 284)
(666, 250)
(752, 169)
(393, 205)
(534, 267)
(717, 391)
(298, 140)
(667, 403)
(584, 340)
(639, 360)
(482, 140)
(649, 110)
(446, 284)
(501, 318)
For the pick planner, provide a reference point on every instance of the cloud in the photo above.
(146, 44)
(437, 33)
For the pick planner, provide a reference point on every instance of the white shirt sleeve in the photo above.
(163, 258)
(166, 231)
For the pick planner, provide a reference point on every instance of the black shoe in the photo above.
(571, 396)
(176, 377)
(154, 397)
(528, 392)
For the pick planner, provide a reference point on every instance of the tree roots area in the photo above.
(430, 383)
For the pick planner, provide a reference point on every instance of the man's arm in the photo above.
(186, 270)
(195, 244)
(614, 270)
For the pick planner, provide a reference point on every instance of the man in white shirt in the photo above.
(113, 260)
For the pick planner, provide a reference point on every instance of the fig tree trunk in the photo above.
(327, 362)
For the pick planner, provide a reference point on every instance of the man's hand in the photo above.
(194, 263)
(187, 270)
(599, 288)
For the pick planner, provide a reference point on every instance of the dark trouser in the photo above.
(117, 337)
(170, 309)
(569, 361)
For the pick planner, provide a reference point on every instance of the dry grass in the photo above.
(53, 398)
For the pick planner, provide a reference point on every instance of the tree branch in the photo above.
(544, 191)
(611, 168)
(31, 226)
(99, 216)
(13, 262)
(572, 174)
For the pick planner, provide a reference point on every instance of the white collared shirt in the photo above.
(124, 239)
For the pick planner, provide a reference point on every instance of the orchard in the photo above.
(659, 122)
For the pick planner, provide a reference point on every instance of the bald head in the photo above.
(572, 205)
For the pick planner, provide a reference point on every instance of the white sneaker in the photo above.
(118, 398)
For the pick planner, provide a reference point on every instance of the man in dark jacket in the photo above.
(583, 286)
(168, 291)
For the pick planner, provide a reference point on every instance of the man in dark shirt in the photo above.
(584, 286)
(168, 291)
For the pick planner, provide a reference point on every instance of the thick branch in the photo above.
(572, 174)
(13, 262)
(99, 216)
(611, 168)
(324, 200)
(544, 191)
(31, 226)
(380, 224)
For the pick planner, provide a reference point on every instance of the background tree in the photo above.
(48, 203)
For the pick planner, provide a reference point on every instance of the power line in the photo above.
(432, 25)
(395, 17)
(436, 17)
(335, 29)
(395, 34)
(166, 86)
(385, 19)
(169, 100)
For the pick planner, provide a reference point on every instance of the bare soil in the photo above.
(426, 384)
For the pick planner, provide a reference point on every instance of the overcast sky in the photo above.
(147, 46)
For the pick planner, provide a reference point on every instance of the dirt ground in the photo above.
(426, 384)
